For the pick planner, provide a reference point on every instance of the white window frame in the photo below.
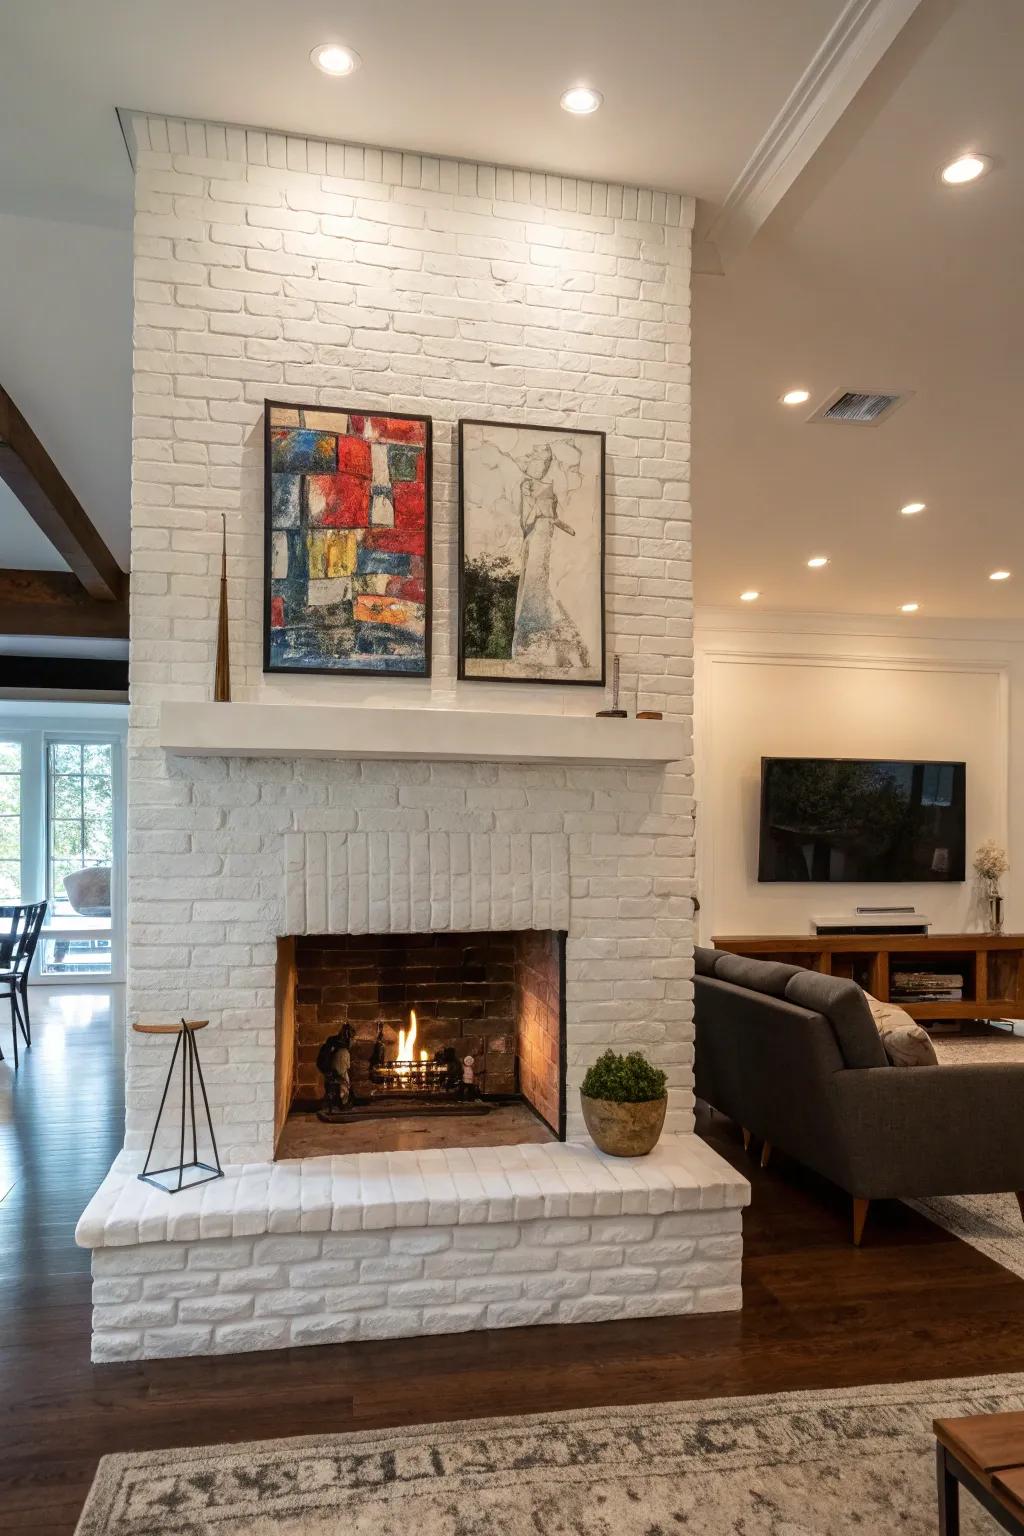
(34, 737)
(27, 865)
(118, 847)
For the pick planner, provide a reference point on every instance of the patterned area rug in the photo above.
(954, 1049)
(801, 1464)
(991, 1223)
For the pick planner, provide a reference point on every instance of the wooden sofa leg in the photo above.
(1020, 1200)
(860, 1216)
(766, 1152)
(746, 1140)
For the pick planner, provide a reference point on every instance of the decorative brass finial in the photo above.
(222, 672)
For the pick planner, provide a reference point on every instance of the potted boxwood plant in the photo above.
(624, 1103)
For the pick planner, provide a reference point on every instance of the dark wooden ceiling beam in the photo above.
(53, 506)
(56, 603)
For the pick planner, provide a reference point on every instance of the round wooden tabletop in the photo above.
(170, 1029)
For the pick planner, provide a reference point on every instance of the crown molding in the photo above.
(861, 36)
(711, 621)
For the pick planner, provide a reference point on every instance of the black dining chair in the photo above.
(19, 934)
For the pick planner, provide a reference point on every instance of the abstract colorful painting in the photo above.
(531, 553)
(347, 576)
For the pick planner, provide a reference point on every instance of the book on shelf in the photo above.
(926, 980)
(927, 987)
(954, 996)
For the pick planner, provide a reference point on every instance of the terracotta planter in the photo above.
(624, 1130)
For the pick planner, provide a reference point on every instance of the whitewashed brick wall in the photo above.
(339, 275)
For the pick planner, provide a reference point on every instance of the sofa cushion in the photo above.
(844, 1005)
(704, 960)
(769, 976)
(905, 1042)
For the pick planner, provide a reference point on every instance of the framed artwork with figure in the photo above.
(531, 554)
(347, 541)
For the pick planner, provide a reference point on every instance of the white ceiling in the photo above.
(869, 274)
(689, 89)
(24, 547)
(65, 358)
(689, 86)
(873, 275)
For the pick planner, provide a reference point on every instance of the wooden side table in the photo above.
(985, 1455)
(172, 1179)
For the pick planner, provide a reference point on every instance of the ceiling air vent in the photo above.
(866, 408)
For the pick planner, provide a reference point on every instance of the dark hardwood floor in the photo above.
(912, 1303)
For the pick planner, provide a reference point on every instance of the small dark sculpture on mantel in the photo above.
(334, 1063)
(615, 713)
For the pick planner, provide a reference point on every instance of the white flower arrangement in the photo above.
(991, 863)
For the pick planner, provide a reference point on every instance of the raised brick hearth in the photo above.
(385, 1245)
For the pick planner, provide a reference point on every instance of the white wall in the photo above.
(809, 685)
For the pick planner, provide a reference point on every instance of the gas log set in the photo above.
(440, 1082)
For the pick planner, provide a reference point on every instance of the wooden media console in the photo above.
(992, 966)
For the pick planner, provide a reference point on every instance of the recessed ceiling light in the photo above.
(909, 607)
(581, 100)
(335, 60)
(796, 396)
(1000, 576)
(817, 561)
(749, 597)
(965, 168)
(911, 508)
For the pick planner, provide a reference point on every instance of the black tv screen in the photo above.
(849, 819)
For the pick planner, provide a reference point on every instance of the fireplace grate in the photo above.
(419, 1077)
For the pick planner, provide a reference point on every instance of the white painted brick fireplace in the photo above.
(336, 274)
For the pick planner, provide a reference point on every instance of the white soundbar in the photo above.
(872, 920)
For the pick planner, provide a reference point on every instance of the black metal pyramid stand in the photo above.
(172, 1179)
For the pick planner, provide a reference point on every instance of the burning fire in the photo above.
(406, 1041)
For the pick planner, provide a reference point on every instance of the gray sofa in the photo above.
(795, 1059)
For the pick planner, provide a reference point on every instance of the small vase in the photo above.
(995, 912)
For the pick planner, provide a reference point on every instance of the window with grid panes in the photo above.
(80, 819)
(10, 820)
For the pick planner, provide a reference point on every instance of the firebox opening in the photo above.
(390, 1041)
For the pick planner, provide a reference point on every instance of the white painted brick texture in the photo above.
(210, 1298)
(384, 1244)
(335, 274)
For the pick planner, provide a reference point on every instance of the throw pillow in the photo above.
(905, 1042)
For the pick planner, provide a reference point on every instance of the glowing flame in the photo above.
(406, 1039)
(424, 1055)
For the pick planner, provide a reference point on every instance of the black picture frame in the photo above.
(555, 682)
(381, 674)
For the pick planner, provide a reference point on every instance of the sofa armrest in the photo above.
(940, 1130)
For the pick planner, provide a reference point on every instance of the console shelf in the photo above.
(992, 965)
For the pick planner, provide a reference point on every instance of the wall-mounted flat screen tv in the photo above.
(851, 819)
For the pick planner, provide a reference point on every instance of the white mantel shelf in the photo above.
(200, 729)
